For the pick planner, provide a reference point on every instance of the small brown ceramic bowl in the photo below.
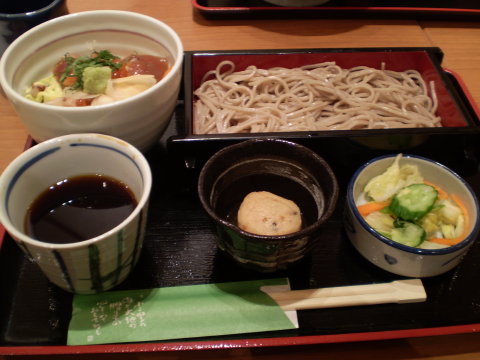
(281, 167)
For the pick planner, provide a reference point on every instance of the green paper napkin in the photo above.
(176, 312)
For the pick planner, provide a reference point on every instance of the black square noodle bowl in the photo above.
(338, 145)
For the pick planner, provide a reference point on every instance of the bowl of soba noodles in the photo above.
(341, 102)
(104, 71)
(319, 91)
(306, 94)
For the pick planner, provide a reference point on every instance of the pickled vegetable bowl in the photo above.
(402, 206)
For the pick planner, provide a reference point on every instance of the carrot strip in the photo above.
(370, 207)
(456, 240)
(441, 193)
(445, 241)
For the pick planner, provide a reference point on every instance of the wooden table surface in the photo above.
(460, 41)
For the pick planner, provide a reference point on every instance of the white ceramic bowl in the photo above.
(297, 2)
(397, 258)
(95, 264)
(139, 120)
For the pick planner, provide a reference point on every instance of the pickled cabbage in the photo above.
(382, 187)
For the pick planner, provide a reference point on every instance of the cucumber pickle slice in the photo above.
(414, 201)
(408, 233)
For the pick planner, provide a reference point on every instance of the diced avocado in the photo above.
(51, 90)
(95, 79)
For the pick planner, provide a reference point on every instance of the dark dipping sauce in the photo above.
(79, 208)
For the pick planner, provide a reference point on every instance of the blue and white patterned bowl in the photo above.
(96, 264)
(401, 259)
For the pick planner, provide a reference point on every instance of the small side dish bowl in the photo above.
(393, 256)
(139, 120)
(284, 168)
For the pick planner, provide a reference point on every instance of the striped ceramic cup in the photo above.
(94, 264)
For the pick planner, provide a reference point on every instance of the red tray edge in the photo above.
(243, 343)
(332, 8)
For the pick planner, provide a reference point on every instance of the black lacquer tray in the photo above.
(180, 250)
(417, 9)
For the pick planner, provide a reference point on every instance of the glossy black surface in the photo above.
(180, 249)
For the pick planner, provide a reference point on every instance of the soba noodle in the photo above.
(314, 97)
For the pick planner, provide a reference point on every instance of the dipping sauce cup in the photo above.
(88, 265)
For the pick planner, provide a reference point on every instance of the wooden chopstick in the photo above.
(400, 291)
